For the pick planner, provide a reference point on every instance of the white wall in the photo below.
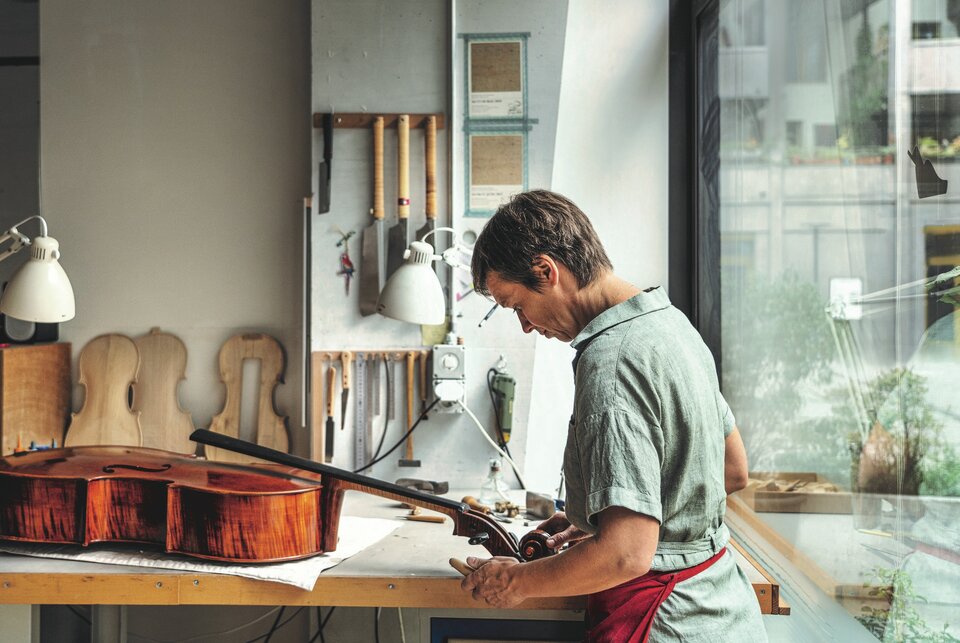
(612, 142)
(600, 138)
(175, 147)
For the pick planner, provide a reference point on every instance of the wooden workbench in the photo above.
(406, 569)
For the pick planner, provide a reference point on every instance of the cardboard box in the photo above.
(797, 492)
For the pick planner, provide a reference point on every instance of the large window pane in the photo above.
(840, 286)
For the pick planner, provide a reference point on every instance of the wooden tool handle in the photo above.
(475, 504)
(423, 375)
(461, 566)
(403, 166)
(378, 208)
(430, 157)
(411, 360)
(331, 389)
(422, 518)
(346, 358)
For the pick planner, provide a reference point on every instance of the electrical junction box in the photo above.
(449, 377)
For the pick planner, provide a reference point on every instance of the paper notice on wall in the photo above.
(496, 104)
(496, 79)
(491, 197)
(496, 169)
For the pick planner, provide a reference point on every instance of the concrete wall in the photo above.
(175, 146)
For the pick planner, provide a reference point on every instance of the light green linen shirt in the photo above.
(647, 434)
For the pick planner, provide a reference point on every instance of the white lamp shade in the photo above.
(413, 293)
(40, 290)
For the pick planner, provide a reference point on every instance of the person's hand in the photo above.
(493, 582)
(563, 532)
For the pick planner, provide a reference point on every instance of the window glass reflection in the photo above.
(840, 331)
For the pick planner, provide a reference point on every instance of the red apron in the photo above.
(624, 614)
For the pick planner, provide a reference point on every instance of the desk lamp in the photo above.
(413, 293)
(40, 290)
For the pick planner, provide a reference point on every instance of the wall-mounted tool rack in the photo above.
(364, 385)
(364, 120)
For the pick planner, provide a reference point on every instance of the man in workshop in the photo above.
(652, 449)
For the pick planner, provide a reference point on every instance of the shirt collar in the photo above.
(647, 301)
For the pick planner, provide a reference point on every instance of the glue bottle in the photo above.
(493, 489)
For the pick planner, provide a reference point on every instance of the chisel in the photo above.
(328, 432)
(346, 360)
(408, 460)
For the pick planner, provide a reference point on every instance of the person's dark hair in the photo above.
(537, 223)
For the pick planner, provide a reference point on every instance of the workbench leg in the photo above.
(20, 623)
(108, 623)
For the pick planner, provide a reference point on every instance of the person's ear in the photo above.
(545, 270)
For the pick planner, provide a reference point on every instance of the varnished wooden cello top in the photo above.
(106, 462)
(185, 505)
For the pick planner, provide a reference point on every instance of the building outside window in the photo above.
(839, 345)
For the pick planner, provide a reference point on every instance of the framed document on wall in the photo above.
(496, 77)
(497, 169)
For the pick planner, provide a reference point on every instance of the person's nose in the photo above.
(524, 323)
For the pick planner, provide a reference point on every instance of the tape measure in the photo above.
(360, 412)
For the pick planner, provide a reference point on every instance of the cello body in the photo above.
(182, 504)
(256, 513)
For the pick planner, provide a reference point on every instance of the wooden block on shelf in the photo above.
(34, 394)
(798, 500)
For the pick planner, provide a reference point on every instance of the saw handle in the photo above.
(378, 208)
(403, 166)
(346, 358)
(331, 389)
(430, 159)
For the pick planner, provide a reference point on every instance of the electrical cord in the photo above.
(322, 624)
(376, 624)
(276, 625)
(422, 417)
(496, 416)
(211, 635)
(79, 614)
(273, 628)
(486, 437)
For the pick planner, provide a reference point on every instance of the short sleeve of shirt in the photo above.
(727, 420)
(620, 455)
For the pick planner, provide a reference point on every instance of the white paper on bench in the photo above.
(355, 535)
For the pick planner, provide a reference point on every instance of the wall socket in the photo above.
(449, 377)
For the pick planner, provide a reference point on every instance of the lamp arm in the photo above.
(18, 239)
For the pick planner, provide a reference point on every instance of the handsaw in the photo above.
(324, 174)
(430, 169)
(397, 239)
(371, 269)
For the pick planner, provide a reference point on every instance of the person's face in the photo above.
(536, 311)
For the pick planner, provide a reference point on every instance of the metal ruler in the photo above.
(360, 412)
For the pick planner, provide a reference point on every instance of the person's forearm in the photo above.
(586, 568)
